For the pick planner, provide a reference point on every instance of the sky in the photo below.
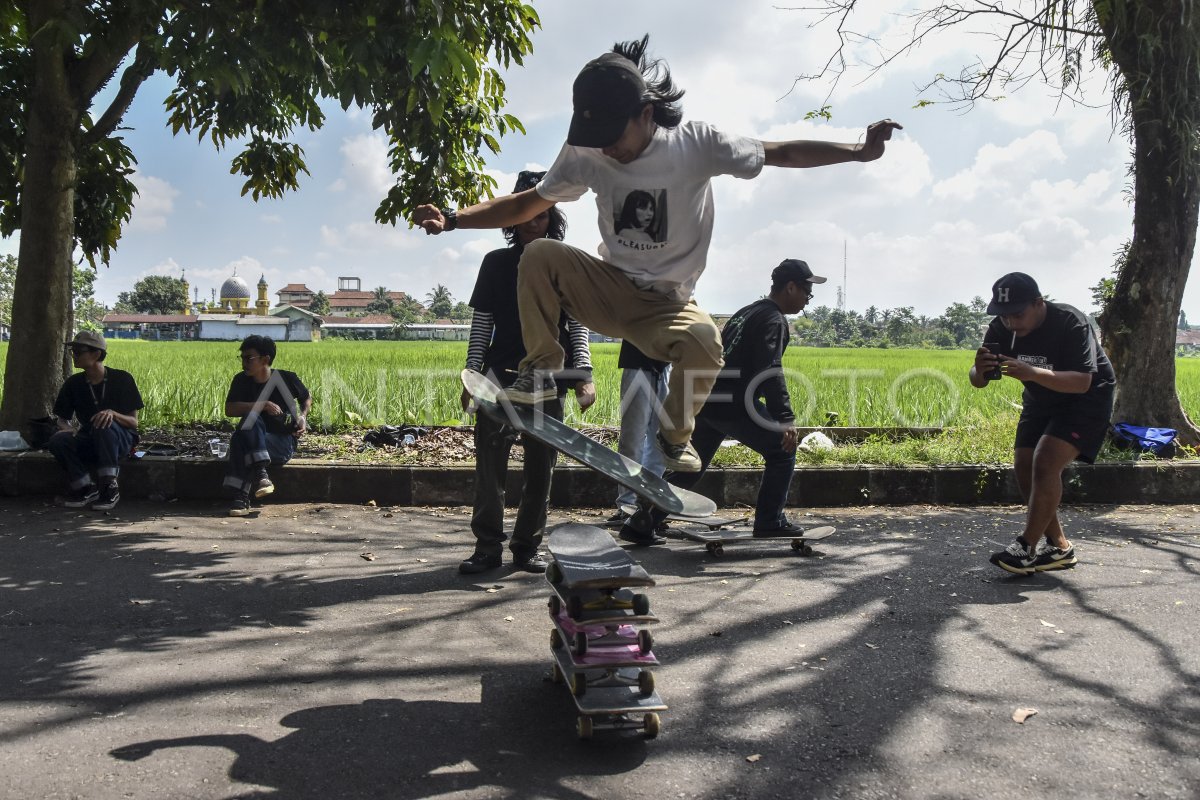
(1026, 183)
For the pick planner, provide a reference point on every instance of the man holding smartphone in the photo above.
(1067, 402)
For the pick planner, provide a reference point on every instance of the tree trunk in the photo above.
(1139, 322)
(42, 292)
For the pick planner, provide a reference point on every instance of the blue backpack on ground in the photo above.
(1159, 441)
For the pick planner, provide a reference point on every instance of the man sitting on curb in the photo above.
(1066, 406)
(750, 403)
(273, 405)
(105, 401)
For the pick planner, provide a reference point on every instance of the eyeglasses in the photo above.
(245, 357)
(79, 349)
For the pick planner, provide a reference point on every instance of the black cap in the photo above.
(527, 179)
(793, 269)
(607, 93)
(1013, 293)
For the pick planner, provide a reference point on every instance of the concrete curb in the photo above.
(303, 480)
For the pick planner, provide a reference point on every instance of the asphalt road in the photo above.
(328, 652)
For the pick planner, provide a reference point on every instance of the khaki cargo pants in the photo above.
(554, 276)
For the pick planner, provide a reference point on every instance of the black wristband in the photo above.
(451, 219)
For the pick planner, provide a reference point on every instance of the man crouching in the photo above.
(273, 405)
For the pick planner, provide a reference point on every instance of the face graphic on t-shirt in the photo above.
(639, 218)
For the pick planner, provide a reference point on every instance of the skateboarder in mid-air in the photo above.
(627, 142)
(1066, 406)
(750, 403)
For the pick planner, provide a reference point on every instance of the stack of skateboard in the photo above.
(601, 649)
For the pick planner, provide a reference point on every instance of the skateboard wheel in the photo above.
(578, 684)
(554, 572)
(555, 605)
(575, 607)
(805, 550)
(581, 644)
(651, 724)
(556, 674)
(641, 605)
(711, 547)
(797, 544)
(645, 641)
(556, 640)
(583, 727)
(646, 683)
(717, 549)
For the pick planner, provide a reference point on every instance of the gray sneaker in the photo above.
(531, 386)
(678, 457)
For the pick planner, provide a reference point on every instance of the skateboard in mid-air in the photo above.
(600, 649)
(714, 541)
(565, 439)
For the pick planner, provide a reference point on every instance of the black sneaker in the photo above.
(787, 529)
(79, 498)
(1018, 558)
(1051, 557)
(531, 386)
(678, 457)
(263, 485)
(631, 534)
(531, 563)
(110, 495)
(240, 507)
(480, 562)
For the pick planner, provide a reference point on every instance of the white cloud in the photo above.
(364, 166)
(154, 203)
(998, 167)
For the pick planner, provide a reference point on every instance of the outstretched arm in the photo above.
(501, 211)
(804, 153)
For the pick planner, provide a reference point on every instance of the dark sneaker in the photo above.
(240, 507)
(263, 485)
(785, 530)
(531, 386)
(678, 457)
(639, 538)
(79, 498)
(480, 562)
(532, 563)
(110, 495)
(1050, 557)
(1018, 558)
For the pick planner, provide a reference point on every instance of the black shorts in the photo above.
(1085, 431)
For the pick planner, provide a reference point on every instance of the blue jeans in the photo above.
(767, 442)
(641, 402)
(253, 447)
(101, 447)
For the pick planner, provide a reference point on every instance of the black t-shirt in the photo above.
(243, 389)
(632, 358)
(755, 339)
(496, 294)
(1064, 342)
(117, 391)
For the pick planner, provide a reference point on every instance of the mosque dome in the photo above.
(235, 288)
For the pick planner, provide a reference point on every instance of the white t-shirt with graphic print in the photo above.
(655, 214)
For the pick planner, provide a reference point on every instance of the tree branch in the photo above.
(144, 63)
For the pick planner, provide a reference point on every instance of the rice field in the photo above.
(365, 384)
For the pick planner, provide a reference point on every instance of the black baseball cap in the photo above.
(607, 93)
(527, 179)
(793, 269)
(1012, 293)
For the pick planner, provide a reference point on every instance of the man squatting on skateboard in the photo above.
(749, 403)
(627, 142)
(496, 350)
(1067, 402)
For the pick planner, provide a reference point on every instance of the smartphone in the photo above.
(993, 374)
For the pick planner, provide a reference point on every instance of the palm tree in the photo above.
(441, 302)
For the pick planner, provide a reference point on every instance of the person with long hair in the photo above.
(625, 102)
(496, 349)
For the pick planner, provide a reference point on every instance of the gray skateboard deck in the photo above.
(610, 702)
(587, 557)
(565, 439)
(715, 541)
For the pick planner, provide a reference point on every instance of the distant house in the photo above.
(1188, 341)
(302, 323)
(172, 327)
(442, 330)
(296, 295)
(229, 328)
(372, 326)
(351, 299)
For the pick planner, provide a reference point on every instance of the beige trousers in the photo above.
(554, 276)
